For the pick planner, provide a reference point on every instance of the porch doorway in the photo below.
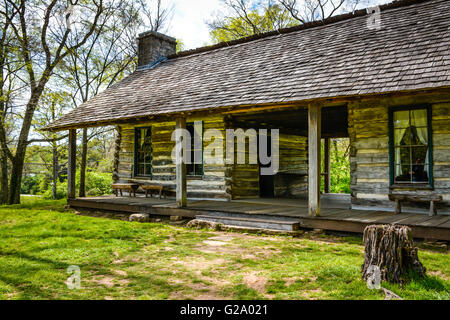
(291, 180)
(336, 166)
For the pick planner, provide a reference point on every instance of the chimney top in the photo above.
(154, 47)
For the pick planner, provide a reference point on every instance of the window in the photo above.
(410, 145)
(143, 152)
(195, 168)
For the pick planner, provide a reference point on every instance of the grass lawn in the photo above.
(39, 240)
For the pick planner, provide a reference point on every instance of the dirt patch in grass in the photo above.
(120, 273)
(314, 294)
(106, 281)
(255, 281)
(439, 274)
(237, 250)
(111, 281)
(291, 281)
(201, 291)
(199, 263)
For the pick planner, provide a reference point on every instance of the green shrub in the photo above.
(31, 184)
(97, 184)
(61, 191)
(94, 192)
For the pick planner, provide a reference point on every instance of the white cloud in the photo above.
(189, 19)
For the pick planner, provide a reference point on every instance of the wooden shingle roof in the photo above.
(341, 58)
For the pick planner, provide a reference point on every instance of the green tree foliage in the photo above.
(249, 18)
(339, 166)
(241, 18)
(97, 184)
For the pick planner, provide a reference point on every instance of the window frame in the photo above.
(392, 183)
(135, 169)
(199, 176)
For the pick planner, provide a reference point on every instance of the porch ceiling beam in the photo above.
(314, 171)
(181, 188)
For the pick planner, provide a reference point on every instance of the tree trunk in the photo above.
(55, 172)
(16, 179)
(22, 144)
(390, 248)
(3, 178)
(83, 164)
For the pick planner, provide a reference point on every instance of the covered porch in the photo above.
(301, 127)
(278, 214)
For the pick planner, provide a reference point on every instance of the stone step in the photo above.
(249, 221)
(249, 216)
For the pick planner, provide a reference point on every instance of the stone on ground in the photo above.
(201, 224)
(140, 217)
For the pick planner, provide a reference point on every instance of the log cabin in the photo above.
(379, 78)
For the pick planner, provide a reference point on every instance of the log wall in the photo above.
(369, 157)
(292, 179)
(215, 182)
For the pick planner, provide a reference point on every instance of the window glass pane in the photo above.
(419, 136)
(143, 151)
(419, 155)
(401, 119)
(401, 137)
(146, 141)
(196, 148)
(190, 170)
(198, 130)
(411, 147)
(138, 139)
(403, 155)
(419, 118)
(402, 173)
(419, 173)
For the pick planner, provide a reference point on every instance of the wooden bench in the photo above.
(153, 189)
(432, 199)
(120, 187)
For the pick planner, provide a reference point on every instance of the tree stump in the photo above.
(390, 248)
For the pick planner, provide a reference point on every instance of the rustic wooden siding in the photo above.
(216, 180)
(369, 157)
(245, 177)
(292, 179)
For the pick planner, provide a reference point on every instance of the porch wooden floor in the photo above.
(335, 216)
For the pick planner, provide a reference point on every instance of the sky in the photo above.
(189, 17)
(188, 22)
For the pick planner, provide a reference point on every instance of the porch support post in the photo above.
(314, 172)
(181, 164)
(71, 194)
(327, 165)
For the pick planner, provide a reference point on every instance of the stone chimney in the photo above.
(154, 47)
